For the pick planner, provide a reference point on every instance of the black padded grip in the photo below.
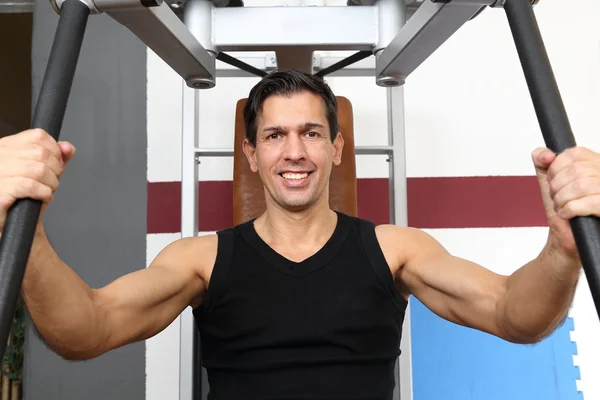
(21, 221)
(554, 124)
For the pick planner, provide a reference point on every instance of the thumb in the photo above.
(542, 158)
(67, 150)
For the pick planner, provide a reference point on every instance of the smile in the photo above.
(294, 176)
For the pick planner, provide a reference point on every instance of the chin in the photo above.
(294, 203)
(294, 200)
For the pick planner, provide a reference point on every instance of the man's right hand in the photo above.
(31, 163)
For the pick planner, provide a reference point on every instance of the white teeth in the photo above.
(294, 176)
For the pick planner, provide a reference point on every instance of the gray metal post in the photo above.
(399, 216)
(188, 362)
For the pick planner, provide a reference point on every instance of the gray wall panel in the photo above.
(98, 220)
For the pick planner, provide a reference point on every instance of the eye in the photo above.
(312, 134)
(273, 136)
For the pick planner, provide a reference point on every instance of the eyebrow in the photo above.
(305, 126)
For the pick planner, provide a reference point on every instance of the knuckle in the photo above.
(556, 205)
(27, 185)
(570, 207)
(38, 134)
(553, 187)
(559, 200)
(46, 192)
(574, 152)
(579, 186)
(581, 153)
(37, 170)
(573, 170)
(6, 201)
(39, 153)
(564, 157)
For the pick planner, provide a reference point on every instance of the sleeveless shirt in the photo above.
(326, 328)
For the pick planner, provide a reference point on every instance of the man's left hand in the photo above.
(570, 186)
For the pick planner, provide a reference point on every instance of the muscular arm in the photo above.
(524, 307)
(79, 322)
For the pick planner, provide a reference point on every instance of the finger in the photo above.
(571, 156)
(67, 150)
(542, 158)
(583, 207)
(24, 188)
(37, 140)
(38, 146)
(42, 173)
(573, 172)
(31, 155)
(35, 170)
(575, 190)
(32, 139)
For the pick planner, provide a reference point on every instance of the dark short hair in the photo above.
(287, 83)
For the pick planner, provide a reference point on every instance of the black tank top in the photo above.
(326, 328)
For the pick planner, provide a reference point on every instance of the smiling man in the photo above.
(303, 302)
(298, 130)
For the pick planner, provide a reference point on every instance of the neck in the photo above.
(300, 228)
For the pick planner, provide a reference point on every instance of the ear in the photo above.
(250, 152)
(338, 146)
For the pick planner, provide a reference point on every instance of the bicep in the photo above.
(141, 304)
(455, 289)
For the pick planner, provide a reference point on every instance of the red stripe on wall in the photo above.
(462, 202)
(475, 202)
(164, 206)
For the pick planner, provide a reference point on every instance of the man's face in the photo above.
(294, 154)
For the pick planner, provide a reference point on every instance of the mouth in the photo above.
(295, 178)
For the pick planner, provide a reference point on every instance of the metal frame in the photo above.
(401, 34)
(190, 47)
(430, 26)
(400, 43)
(188, 351)
(398, 47)
(399, 216)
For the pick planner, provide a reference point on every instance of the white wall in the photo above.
(468, 113)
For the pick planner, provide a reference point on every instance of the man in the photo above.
(304, 302)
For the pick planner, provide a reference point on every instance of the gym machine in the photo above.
(191, 36)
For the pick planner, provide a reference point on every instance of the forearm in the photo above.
(59, 302)
(538, 296)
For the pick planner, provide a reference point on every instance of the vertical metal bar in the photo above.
(554, 124)
(197, 18)
(189, 368)
(392, 16)
(22, 218)
(399, 216)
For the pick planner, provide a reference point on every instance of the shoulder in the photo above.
(192, 246)
(189, 253)
(414, 236)
(401, 245)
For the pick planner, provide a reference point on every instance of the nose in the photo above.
(294, 148)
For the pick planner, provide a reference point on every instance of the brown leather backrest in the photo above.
(248, 191)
